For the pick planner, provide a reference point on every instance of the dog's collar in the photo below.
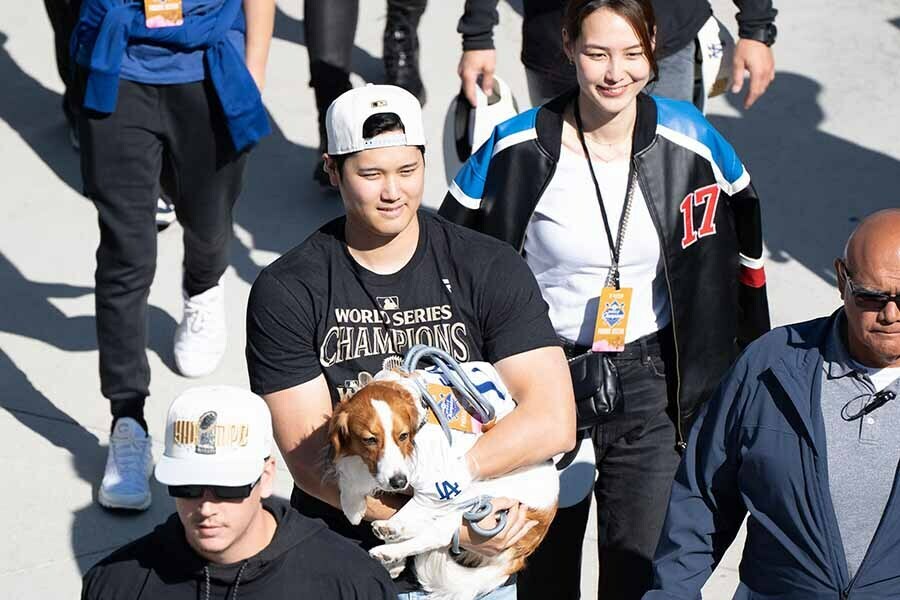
(424, 419)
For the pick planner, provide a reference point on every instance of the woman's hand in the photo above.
(517, 525)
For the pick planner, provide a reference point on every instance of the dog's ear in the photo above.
(339, 431)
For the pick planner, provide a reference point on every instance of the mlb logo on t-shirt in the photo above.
(388, 302)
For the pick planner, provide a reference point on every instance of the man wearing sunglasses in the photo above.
(229, 538)
(803, 435)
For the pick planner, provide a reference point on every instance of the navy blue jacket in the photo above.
(759, 447)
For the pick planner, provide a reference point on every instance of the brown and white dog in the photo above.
(381, 442)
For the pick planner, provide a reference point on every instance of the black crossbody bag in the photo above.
(595, 379)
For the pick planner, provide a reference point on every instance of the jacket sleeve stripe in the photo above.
(468, 185)
(732, 181)
(751, 263)
(755, 278)
(462, 198)
(513, 139)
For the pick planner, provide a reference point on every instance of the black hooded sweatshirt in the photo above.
(303, 560)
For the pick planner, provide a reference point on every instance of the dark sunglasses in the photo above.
(222, 492)
(869, 300)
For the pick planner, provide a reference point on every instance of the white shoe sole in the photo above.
(107, 502)
(194, 373)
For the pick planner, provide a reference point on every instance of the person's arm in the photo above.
(479, 58)
(751, 54)
(753, 303)
(543, 422)
(284, 369)
(705, 508)
(736, 194)
(260, 17)
(519, 339)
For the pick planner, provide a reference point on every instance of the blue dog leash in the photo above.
(472, 400)
(467, 394)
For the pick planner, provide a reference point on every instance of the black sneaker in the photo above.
(401, 58)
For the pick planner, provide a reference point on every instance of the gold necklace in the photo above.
(611, 146)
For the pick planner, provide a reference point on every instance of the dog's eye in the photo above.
(370, 441)
(404, 436)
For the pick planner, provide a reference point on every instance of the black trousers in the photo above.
(329, 28)
(636, 463)
(63, 17)
(179, 132)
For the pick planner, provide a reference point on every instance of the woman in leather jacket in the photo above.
(607, 187)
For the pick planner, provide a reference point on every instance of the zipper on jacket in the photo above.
(845, 593)
(680, 443)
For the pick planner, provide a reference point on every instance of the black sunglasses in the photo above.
(222, 492)
(869, 300)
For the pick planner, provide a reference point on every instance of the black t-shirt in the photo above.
(316, 310)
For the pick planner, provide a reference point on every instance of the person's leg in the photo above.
(329, 28)
(63, 17)
(400, 47)
(120, 164)
(541, 88)
(506, 592)
(676, 75)
(554, 570)
(207, 177)
(635, 477)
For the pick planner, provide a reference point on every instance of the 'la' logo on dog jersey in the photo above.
(446, 490)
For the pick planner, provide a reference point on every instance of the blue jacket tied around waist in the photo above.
(106, 28)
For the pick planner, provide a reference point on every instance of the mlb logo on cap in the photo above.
(347, 114)
(216, 435)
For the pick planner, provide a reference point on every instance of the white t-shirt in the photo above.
(880, 378)
(567, 249)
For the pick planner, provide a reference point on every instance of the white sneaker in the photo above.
(200, 337)
(128, 467)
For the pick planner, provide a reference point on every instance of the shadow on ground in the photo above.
(95, 531)
(35, 113)
(280, 204)
(28, 312)
(814, 186)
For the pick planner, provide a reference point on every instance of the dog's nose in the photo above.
(398, 481)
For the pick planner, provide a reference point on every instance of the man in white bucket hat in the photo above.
(229, 538)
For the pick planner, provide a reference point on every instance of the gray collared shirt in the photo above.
(863, 454)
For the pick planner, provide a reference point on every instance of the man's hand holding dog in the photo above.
(517, 526)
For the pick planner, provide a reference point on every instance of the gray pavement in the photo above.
(823, 147)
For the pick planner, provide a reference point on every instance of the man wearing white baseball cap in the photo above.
(366, 287)
(229, 538)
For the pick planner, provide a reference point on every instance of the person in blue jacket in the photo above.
(804, 435)
(177, 98)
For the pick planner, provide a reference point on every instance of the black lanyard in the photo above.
(615, 248)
